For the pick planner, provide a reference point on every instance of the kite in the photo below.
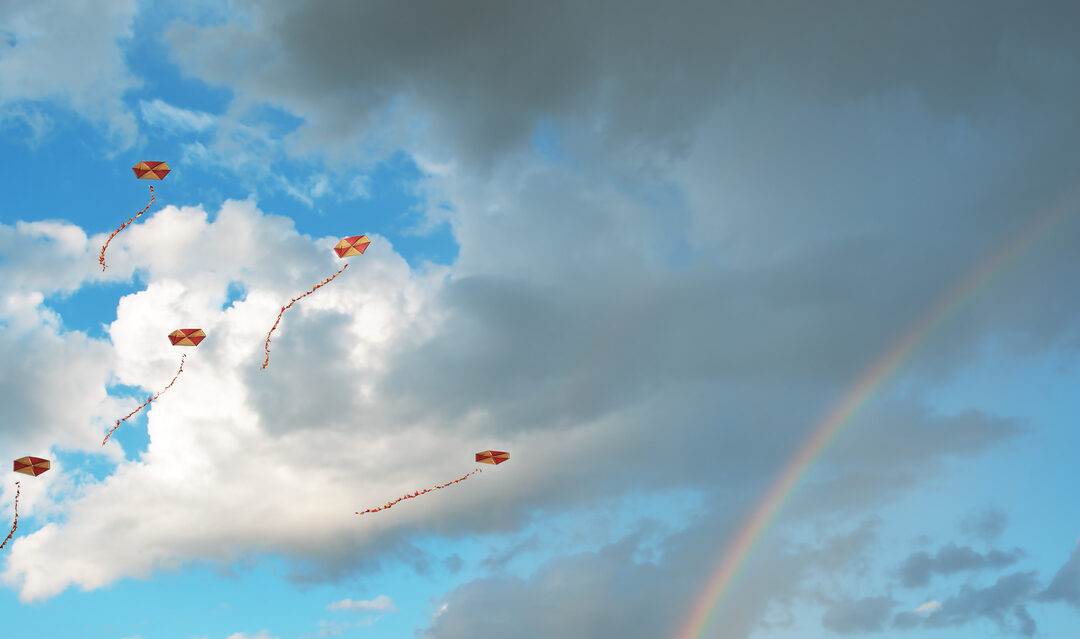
(487, 457)
(143, 171)
(32, 466)
(179, 337)
(355, 245)
(495, 457)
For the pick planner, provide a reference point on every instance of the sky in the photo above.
(773, 305)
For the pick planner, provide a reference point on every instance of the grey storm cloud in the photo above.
(917, 569)
(639, 74)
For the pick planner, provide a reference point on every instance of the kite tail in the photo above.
(101, 258)
(418, 493)
(294, 300)
(147, 401)
(16, 524)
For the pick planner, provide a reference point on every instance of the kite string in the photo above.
(294, 300)
(16, 524)
(101, 258)
(390, 504)
(147, 401)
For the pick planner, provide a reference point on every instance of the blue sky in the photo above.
(646, 256)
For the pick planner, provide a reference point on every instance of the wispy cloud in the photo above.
(382, 602)
(162, 114)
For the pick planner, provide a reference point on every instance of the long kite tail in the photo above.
(389, 504)
(16, 524)
(294, 300)
(147, 401)
(101, 258)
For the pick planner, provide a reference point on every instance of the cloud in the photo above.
(56, 50)
(628, 598)
(918, 568)
(986, 525)
(928, 608)
(379, 75)
(159, 113)
(382, 602)
(1004, 603)
(716, 238)
(1065, 585)
(859, 616)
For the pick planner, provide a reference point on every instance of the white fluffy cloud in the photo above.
(71, 52)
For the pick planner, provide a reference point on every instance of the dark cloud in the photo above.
(482, 73)
(986, 525)
(1066, 583)
(917, 569)
(1002, 603)
(859, 616)
(632, 599)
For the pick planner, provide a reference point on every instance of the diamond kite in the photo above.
(143, 171)
(151, 170)
(187, 336)
(179, 337)
(355, 245)
(492, 457)
(32, 466)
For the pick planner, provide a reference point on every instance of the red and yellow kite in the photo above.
(179, 337)
(495, 457)
(143, 171)
(355, 245)
(487, 457)
(151, 170)
(32, 466)
(187, 336)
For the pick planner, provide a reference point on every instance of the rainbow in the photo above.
(837, 419)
